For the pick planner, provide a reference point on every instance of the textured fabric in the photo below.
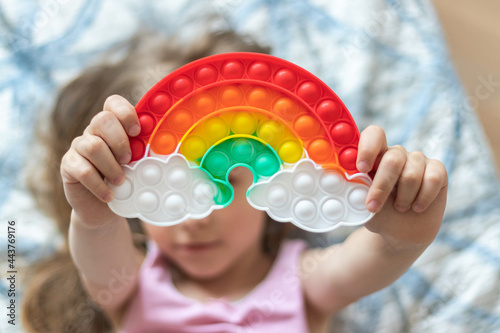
(386, 59)
(274, 305)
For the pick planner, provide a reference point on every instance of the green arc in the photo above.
(238, 150)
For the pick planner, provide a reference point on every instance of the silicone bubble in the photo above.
(277, 196)
(252, 110)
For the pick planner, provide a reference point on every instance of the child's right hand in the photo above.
(98, 153)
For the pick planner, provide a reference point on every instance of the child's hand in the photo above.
(408, 191)
(98, 153)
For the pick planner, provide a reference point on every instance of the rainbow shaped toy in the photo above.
(255, 110)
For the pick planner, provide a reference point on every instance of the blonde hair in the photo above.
(55, 300)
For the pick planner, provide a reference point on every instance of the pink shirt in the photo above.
(275, 305)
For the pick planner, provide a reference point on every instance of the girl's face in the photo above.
(205, 248)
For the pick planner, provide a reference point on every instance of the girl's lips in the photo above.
(197, 246)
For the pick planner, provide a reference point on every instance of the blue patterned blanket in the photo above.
(387, 61)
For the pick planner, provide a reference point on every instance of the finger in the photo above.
(75, 168)
(107, 126)
(372, 144)
(410, 181)
(434, 180)
(125, 112)
(97, 152)
(387, 175)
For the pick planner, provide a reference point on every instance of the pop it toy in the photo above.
(244, 109)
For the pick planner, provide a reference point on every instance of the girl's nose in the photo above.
(194, 225)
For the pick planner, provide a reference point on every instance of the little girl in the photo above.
(217, 274)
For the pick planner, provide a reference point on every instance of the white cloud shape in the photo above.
(164, 191)
(312, 198)
(168, 191)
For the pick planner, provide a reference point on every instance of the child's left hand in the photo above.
(408, 191)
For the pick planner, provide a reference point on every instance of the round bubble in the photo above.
(147, 124)
(138, 148)
(160, 102)
(204, 193)
(180, 120)
(343, 133)
(258, 97)
(277, 196)
(175, 205)
(181, 86)
(178, 177)
(304, 182)
(243, 123)
(332, 182)
(203, 104)
(333, 210)
(216, 129)
(357, 197)
(230, 96)
(206, 75)
(124, 191)
(305, 210)
(291, 151)
(266, 165)
(164, 143)
(286, 108)
(193, 148)
(233, 70)
(217, 163)
(271, 132)
(242, 150)
(320, 150)
(309, 91)
(259, 71)
(285, 78)
(306, 126)
(147, 201)
(149, 173)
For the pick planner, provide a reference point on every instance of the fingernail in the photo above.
(134, 130)
(373, 206)
(125, 158)
(363, 166)
(108, 197)
(118, 180)
(401, 209)
(418, 208)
